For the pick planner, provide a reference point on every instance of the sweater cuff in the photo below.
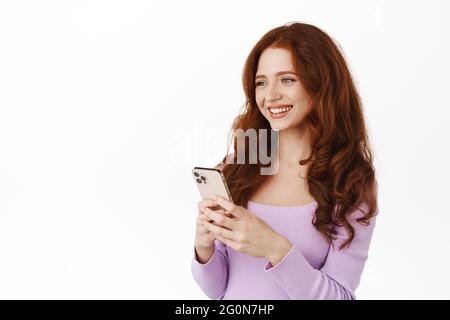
(294, 264)
(212, 275)
(210, 264)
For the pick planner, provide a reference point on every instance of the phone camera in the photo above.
(199, 181)
(196, 174)
(203, 178)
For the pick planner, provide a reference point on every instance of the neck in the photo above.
(294, 145)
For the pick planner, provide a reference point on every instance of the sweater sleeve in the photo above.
(212, 276)
(341, 272)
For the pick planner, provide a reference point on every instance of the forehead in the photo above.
(273, 60)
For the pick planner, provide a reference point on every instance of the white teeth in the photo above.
(279, 110)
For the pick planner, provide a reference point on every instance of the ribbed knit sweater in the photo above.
(312, 269)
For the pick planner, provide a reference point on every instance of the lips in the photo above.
(279, 111)
(280, 108)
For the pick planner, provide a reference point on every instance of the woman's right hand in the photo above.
(203, 238)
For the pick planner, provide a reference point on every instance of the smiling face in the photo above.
(280, 96)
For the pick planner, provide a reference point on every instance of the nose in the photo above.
(272, 93)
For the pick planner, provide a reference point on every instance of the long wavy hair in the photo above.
(341, 175)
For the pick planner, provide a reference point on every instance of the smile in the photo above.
(279, 112)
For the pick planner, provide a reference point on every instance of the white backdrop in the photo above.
(105, 107)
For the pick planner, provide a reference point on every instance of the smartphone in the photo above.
(210, 181)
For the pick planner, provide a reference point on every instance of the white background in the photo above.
(105, 107)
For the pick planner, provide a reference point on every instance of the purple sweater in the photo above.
(312, 269)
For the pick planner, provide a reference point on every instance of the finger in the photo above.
(207, 203)
(231, 243)
(219, 211)
(228, 206)
(216, 208)
(200, 225)
(228, 214)
(203, 230)
(202, 221)
(219, 231)
(220, 219)
(204, 216)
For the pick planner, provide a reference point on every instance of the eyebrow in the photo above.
(277, 74)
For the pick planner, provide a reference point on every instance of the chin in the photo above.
(280, 126)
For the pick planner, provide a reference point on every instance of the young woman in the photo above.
(304, 232)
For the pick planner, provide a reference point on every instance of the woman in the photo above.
(304, 232)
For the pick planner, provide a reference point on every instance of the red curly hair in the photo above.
(341, 176)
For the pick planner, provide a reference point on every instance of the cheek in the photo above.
(259, 102)
(300, 94)
(302, 99)
(258, 98)
(304, 108)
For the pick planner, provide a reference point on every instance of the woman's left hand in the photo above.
(245, 232)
